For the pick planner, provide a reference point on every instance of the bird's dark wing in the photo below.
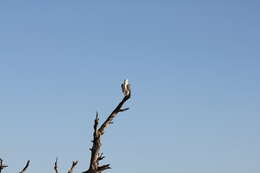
(123, 89)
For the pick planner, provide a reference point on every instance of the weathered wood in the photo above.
(96, 156)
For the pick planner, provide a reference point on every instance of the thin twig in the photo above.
(74, 163)
(26, 166)
(56, 166)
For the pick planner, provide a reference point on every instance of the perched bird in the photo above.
(126, 88)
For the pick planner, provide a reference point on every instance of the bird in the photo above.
(126, 87)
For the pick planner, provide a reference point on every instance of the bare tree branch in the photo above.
(101, 157)
(2, 166)
(113, 114)
(26, 166)
(56, 166)
(96, 155)
(104, 167)
(98, 132)
(74, 163)
(96, 147)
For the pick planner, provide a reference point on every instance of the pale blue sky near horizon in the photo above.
(194, 70)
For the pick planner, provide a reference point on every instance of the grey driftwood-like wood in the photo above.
(96, 156)
(26, 166)
(2, 166)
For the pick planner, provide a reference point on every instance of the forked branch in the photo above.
(113, 114)
(2, 166)
(74, 164)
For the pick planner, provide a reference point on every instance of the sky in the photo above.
(193, 67)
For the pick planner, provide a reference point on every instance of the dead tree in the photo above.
(96, 155)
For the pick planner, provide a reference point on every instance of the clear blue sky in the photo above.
(193, 65)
